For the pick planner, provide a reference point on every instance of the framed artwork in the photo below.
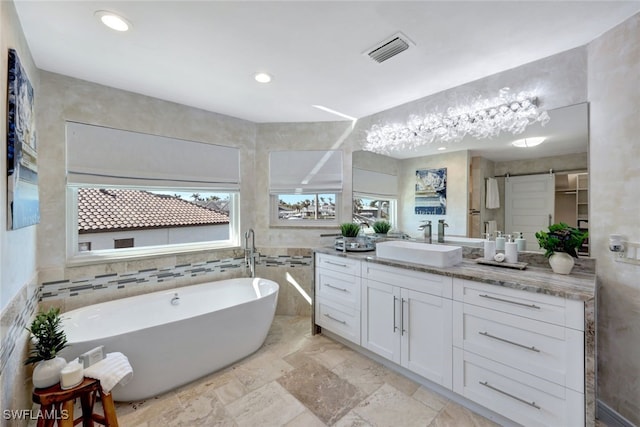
(23, 207)
(431, 191)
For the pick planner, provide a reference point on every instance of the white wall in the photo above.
(160, 236)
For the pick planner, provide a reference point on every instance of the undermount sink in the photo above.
(420, 253)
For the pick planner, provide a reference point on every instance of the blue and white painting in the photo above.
(431, 191)
(23, 207)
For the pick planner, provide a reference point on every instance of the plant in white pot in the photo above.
(560, 243)
(48, 340)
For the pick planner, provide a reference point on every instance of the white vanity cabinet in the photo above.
(406, 318)
(519, 353)
(337, 295)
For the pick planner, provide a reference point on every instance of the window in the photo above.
(133, 194)
(306, 207)
(305, 187)
(367, 210)
(123, 243)
(143, 220)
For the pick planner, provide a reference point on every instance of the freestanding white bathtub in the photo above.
(169, 344)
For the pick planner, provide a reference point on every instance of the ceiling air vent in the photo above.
(389, 48)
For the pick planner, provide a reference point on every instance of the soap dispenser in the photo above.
(521, 242)
(510, 251)
(500, 241)
(489, 247)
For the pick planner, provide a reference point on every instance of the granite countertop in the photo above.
(577, 285)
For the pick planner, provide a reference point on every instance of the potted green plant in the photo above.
(349, 229)
(381, 227)
(48, 340)
(560, 243)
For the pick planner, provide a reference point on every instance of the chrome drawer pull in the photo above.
(336, 288)
(487, 334)
(510, 302)
(334, 319)
(395, 328)
(402, 329)
(532, 404)
(336, 263)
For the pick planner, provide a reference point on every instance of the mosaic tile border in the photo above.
(17, 328)
(62, 289)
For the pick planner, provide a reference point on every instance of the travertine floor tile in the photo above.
(323, 392)
(260, 369)
(269, 405)
(454, 415)
(432, 399)
(352, 420)
(390, 407)
(306, 419)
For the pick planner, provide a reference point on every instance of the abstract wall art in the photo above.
(431, 191)
(23, 207)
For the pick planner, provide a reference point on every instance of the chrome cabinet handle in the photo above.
(336, 288)
(532, 404)
(334, 319)
(487, 334)
(403, 330)
(395, 328)
(336, 263)
(509, 301)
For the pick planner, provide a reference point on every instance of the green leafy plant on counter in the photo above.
(561, 238)
(381, 227)
(349, 229)
(49, 338)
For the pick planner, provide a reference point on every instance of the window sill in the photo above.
(140, 254)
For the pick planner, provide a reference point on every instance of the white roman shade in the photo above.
(370, 183)
(105, 156)
(296, 172)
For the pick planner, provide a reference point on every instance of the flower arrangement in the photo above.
(381, 227)
(561, 238)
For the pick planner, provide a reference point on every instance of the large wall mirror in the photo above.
(562, 157)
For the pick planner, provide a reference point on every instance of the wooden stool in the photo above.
(57, 404)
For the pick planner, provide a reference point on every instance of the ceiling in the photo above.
(204, 54)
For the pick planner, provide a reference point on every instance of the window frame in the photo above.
(393, 205)
(75, 257)
(276, 221)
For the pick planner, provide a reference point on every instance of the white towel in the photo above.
(493, 195)
(492, 227)
(112, 370)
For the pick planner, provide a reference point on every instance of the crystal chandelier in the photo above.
(484, 118)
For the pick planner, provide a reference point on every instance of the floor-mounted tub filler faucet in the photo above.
(250, 251)
(426, 227)
(441, 226)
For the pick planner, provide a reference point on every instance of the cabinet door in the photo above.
(426, 328)
(381, 319)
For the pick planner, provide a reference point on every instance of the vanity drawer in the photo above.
(339, 264)
(524, 398)
(340, 287)
(542, 349)
(341, 320)
(546, 308)
(434, 284)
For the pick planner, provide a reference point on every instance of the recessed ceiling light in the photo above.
(528, 142)
(113, 20)
(442, 148)
(262, 77)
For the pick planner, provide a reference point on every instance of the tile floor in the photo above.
(296, 379)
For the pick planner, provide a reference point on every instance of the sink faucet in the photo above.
(441, 226)
(426, 227)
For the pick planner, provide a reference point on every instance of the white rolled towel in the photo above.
(112, 370)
